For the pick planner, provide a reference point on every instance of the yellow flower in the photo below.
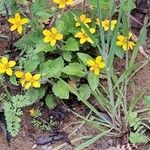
(52, 36)
(84, 19)
(32, 112)
(63, 3)
(96, 65)
(17, 23)
(122, 42)
(105, 24)
(27, 80)
(84, 37)
(6, 66)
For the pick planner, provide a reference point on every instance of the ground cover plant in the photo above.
(56, 46)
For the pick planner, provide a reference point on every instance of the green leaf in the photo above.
(52, 68)
(128, 5)
(61, 90)
(147, 101)
(93, 81)
(84, 57)
(74, 69)
(44, 47)
(119, 51)
(71, 45)
(67, 56)
(13, 80)
(138, 138)
(66, 24)
(85, 92)
(50, 102)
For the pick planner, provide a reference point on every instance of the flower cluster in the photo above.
(106, 23)
(82, 35)
(28, 80)
(96, 65)
(63, 3)
(125, 42)
(17, 23)
(6, 66)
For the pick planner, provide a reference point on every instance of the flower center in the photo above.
(63, 1)
(18, 23)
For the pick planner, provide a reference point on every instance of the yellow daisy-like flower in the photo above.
(27, 80)
(84, 37)
(84, 19)
(52, 36)
(122, 42)
(6, 66)
(17, 23)
(63, 3)
(96, 65)
(105, 24)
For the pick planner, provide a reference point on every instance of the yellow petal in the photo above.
(22, 81)
(53, 42)
(69, 2)
(121, 38)
(101, 65)
(131, 45)
(78, 34)
(11, 63)
(47, 39)
(36, 84)
(89, 40)
(27, 85)
(62, 5)
(46, 32)
(92, 68)
(96, 71)
(98, 59)
(54, 30)
(90, 62)
(17, 17)
(87, 20)
(56, 1)
(24, 21)
(12, 20)
(36, 76)
(92, 30)
(2, 68)
(113, 22)
(13, 27)
(19, 74)
(119, 43)
(59, 36)
(4, 60)
(82, 17)
(77, 24)
(9, 71)
(28, 76)
(82, 40)
(19, 29)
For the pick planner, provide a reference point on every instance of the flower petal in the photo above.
(82, 40)
(12, 20)
(9, 71)
(46, 32)
(4, 60)
(24, 21)
(19, 29)
(98, 59)
(96, 71)
(62, 5)
(11, 63)
(37, 76)
(13, 27)
(59, 36)
(69, 2)
(53, 42)
(28, 76)
(19, 74)
(54, 30)
(17, 17)
(101, 65)
(90, 62)
(47, 39)
(56, 1)
(36, 84)
(2, 68)
(27, 85)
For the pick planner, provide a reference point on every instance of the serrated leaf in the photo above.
(71, 45)
(13, 80)
(74, 69)
(67, 56)
(138, 138)
(84, 57)
(50, 102)
(44, 47)
(61, 90)
(84, 91)
(93, 81)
